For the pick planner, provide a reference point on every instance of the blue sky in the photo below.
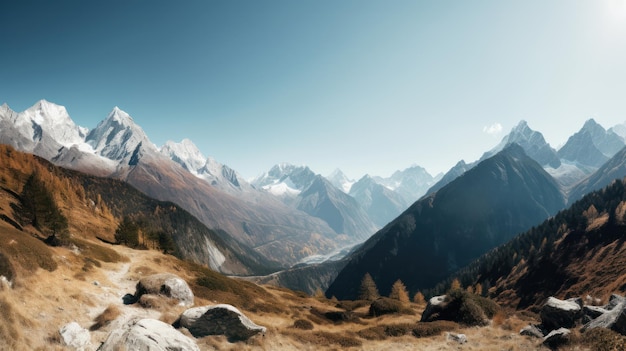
(366, 86)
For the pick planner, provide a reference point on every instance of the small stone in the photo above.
(460, 338)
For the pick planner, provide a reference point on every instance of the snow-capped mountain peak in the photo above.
(118, 137)
(531, 141)
(185, 153)
(608, 142)
(42, 129)
(52, 119)
(340, 180)
(285, 179)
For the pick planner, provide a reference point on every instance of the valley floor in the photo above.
(81, 289)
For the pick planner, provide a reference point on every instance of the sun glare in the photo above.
(617, 9)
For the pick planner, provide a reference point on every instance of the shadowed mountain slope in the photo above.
(503, 195)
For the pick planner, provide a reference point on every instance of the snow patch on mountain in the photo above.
(282, 189)
(216, 257)
(119, 138)
(340, 180)
(187, 154)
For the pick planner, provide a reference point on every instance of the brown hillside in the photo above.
(49, 287)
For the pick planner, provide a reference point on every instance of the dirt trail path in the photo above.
(119, 281)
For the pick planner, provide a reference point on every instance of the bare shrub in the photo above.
(426, 329)
(303, 324)
(106, 317)
(602, 339)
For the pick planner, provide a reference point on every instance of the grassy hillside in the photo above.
(94, 206)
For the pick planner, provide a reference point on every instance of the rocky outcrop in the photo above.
(557, 337)
(165, 284)
(557, 313)
(220, 319)
(462, 307)
(613, 318)
(532, 331)
(434, 307)
(148, 334)
(75, 336)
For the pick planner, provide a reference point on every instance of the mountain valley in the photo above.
(521, 224)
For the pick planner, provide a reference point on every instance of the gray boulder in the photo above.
(532, 331)
(219, 320)
(148, 335)
(576, 300)
(614, 301)
(592, 312)
(614, 319)
(435, 305)
(165, 284)
(75, 336)
(557, 313)
(557, 337)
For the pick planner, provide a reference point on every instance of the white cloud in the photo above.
(493, 129)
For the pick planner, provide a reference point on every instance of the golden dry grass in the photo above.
(289, 316)
(106, 317)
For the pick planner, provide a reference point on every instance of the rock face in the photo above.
(75, 336)
(220, 319)
(435, 305)
(557, 313)
(614, 318)
(148, 335)
(168, 285)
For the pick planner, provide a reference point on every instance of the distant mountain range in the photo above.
(431, 225)
(213, 193)
(484, 204)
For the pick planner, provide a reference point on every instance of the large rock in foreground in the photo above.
(460, 306)
(614, 319)
(435, 305)
(219, 320)
(75, 336)
(557, 338)
(168, 285)
(148, 335)
(557, 313)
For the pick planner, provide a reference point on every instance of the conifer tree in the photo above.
(455, 285)
(398, 292)
(419, 298)
(39, 209)
(368, 290)
(127, 233)
(166, 243)
(478, 290)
